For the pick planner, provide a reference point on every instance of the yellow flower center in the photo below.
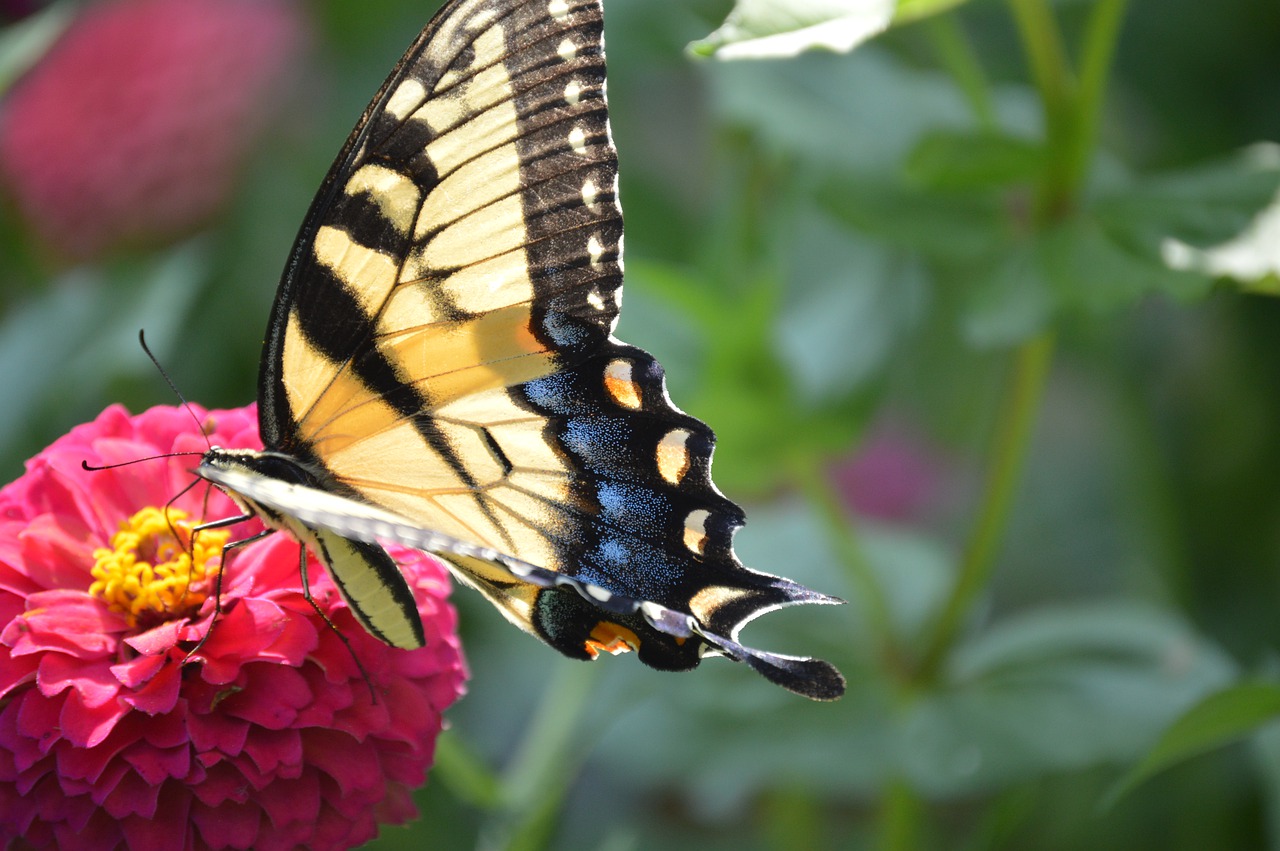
(156, 568)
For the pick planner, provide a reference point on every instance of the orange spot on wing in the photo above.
(612, 639)
(618, 384)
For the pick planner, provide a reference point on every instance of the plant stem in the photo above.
(956, 55)
(1072, 113)
(901, 815)
(1054, 79)
(533, 786)
(1101, 35)
(822, 497)
(1012, 437)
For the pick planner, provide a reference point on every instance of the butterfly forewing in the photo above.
(441, 347)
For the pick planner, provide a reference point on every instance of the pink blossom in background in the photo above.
(132, 128)
(894, 475)
(267, 738)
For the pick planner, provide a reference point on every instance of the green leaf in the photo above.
(847, 111)
(961, 160)
(1091, 269)
(952, 227)
(1056, 689)
(849, 303)
(465, 773)
(1010, 302)
(1220, 718)
(1252, 257)
(909, 11)
(1206, 204)
(83, 329)
(771, 29)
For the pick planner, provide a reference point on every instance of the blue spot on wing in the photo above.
(631, 567)
(634, 507)
(559, 394)
(598, 441)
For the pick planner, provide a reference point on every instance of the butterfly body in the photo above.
(440, 370)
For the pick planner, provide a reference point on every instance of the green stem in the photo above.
(901, 816)
(533, 786)
(1101, 35)
(1053, 77)
(957, 56)
(822, 497)
(1012, 438)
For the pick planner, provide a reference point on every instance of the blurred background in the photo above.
(926, 294)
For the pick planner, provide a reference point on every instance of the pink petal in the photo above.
(276, 751)
(160, 695)
(292, 803)
(56, 557)
(86, 725)
(69, 621)
(138, 671)
(272, 699)
(15, 673)
(168, 730)
(132, 796)
(170, 831)
(90, 764)
(243, 630)
(223, 785)
(229, 826)
(155, 765)
(99, 831)
(36, 723)
(339, 756)
(217, 733)
(93, 680)
(158, 640)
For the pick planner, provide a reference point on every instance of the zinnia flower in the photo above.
(894, 476)
(268, 736)
(133, 126)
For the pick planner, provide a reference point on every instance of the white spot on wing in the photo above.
(558, 9)
(572, 92)
(595, 249)
(695, 531)
(594, 299)
(578, 140)
(590, 195)
(568, 50)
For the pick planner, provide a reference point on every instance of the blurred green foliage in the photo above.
(958, 225)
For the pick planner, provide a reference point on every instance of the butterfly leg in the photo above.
(222, 568)
(306, 593)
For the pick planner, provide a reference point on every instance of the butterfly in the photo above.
(440, 371)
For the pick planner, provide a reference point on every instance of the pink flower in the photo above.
(895, 475)
(268, 737)
(131, 129)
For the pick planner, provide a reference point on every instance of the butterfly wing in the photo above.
(441, 347)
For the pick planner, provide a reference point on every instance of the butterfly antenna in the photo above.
(142, 341)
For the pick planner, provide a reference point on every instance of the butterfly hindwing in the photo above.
(440, 367)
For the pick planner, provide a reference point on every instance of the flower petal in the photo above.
(170, 831)
(160, 694)
(69, 621)
(85, 724)
(157, 640)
